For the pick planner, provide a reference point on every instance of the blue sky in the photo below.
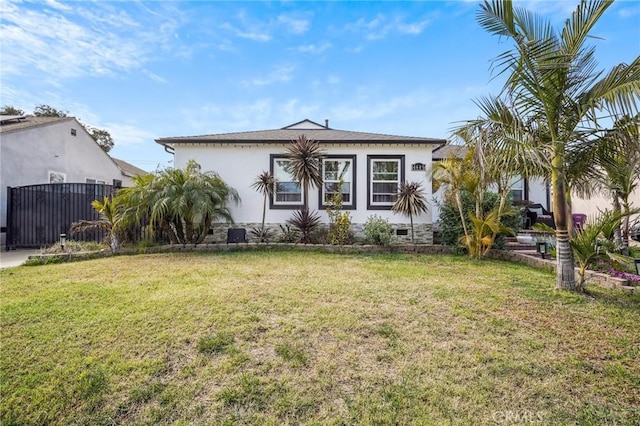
(144, 70)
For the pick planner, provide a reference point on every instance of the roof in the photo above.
(17, 123)
(315, 131)
(449, 151)
(129, 169)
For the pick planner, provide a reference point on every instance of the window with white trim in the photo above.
(336, 169)
(96, 181)
(385, 173)
(517, 188)
(287, 192)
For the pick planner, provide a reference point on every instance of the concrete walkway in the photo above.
(12, 258)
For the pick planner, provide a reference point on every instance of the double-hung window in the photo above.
(516, 186)
(384, 174)
(287, 192)
(338, 176)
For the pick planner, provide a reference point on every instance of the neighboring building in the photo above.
(39, 150)
(129, 171)
(371, 166)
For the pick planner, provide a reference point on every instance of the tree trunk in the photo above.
(625, 228)
(617, 235)
(264, 215)
(411, 219)
(565, 279)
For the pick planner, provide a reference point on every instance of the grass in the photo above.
(289, 337)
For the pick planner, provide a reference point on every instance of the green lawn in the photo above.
(290, 337)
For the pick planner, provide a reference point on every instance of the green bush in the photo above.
(377, 231)
(449, 224)
(340, 222)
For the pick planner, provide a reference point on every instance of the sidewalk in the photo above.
(12, 258)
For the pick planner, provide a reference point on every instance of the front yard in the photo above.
(289, 337)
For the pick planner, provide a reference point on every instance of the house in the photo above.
(371, 166)
(40, 150)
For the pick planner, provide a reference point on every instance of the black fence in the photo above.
(38, 214)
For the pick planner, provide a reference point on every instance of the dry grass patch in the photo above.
(314, 338)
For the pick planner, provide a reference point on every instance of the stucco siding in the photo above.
(28, 155)
(239, 165)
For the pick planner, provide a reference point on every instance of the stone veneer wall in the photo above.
(423, 232)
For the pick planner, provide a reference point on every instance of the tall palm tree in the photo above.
(410, 201)
(265, 184)
(182, 202)
(618, 156)
(305, 165)
(554, 90)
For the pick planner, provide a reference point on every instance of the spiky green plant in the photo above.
(594, 240)
(109, 220)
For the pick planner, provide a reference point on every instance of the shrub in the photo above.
(377, 231)
(450, 226)
(339, 221)
(72, 246)
(287, 234)
(306, 223)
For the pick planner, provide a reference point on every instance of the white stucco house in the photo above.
(40, 150)
(371, 165)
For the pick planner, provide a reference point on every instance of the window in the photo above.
(57, 177)
(96, 181)
(73, 132)
(288, 193)
(517, 188)
(334, 170)
(384, 175)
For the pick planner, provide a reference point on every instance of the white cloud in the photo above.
(154, 77)
(129, 134)
(60, 41)
(280, 74)
(248, 34)
(294, 25)
(314, 48)
(628, 12)
(414, 28)
(382, 25)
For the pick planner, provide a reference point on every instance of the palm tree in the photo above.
(182, 202)
(554, 92)
(109, 220)
(305, 157)
(619, 159)
(305, 160)
(265, 184)
(410, 201)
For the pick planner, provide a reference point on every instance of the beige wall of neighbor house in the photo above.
(593, 206)
(38, 150)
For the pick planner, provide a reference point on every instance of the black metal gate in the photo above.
(38, 214)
